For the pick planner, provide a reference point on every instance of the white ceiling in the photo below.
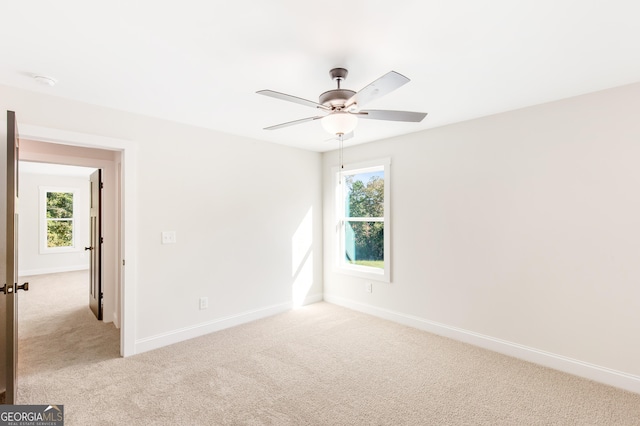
(200, 62)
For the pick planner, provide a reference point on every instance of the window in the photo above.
(362, 200)
(57, 219)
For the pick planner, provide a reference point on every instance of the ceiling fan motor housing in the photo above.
(336, 98)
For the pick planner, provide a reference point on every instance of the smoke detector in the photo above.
(44, 80)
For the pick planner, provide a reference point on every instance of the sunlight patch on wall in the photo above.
(302, 260)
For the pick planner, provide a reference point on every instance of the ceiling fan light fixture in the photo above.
(339, 123)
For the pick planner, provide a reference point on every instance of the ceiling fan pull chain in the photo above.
(340, 137)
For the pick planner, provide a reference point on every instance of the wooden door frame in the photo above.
(128, 209)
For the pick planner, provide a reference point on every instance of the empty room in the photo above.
(420, 212)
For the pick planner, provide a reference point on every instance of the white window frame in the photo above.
(340, 265)
(44, 248)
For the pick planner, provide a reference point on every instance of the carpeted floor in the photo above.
(318, 365)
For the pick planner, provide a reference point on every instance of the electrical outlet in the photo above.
(168, 237)
(204, 303)
(368, 287)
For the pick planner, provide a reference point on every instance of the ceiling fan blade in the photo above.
(385, 84)
(291, 98)
(292, 123)
(381, 114)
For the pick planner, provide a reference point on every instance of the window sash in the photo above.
(71, 232)
(45, 221)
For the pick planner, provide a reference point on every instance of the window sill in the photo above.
(373, 274)
(60, 250)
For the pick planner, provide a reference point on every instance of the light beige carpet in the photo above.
(318, 365)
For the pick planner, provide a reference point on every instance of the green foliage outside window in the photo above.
(59, 219)
(364, 240)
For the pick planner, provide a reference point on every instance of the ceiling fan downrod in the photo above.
(338, 74)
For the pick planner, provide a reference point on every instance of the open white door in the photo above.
(95, 270)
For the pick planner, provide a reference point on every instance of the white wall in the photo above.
(247, 216)
(30, 259)
(519, 232)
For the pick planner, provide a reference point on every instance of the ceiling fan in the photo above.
(341, 108)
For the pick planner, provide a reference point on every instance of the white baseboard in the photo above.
(54, 270)
(576, 367)
(186, 333)
(313, 298)
(116, 320)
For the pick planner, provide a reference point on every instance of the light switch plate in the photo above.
(168, 237)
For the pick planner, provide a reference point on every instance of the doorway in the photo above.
(41, 180)
(117, 158)
(54, 232)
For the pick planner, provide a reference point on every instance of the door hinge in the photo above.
(101, 185)
(101, 240)
(122, 262)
